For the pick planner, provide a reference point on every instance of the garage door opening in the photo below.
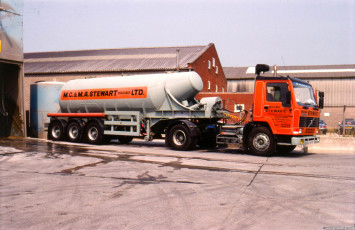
(11, 121)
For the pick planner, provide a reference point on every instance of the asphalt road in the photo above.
(56, 185)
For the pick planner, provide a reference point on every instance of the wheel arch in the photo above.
(194, 129)
(250, 126)
(77, 120)
(97, 120)
(62, 121)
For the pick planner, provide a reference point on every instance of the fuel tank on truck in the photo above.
(135, 92)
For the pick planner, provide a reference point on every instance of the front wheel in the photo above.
(180, 138)
(261, 141)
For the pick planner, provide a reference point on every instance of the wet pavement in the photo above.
(59, 185)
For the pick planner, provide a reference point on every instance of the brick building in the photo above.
(68, 65)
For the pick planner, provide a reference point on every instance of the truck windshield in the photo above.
(304, 94)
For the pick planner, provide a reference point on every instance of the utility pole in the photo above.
(344, 120)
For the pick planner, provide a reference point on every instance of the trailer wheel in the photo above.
(285, 148)
(180, 138)
(261, 141)
(56, 130)
(94, 133)
(74, 131)
(125, 139)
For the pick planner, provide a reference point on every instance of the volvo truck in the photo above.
(285, 113)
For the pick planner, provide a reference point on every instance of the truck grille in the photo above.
(309, 121)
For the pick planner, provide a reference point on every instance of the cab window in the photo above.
(273, 92)
(277, 92)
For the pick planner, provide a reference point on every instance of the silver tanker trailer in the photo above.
(149, 106)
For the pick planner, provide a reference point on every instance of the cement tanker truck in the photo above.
(146, 106)
(285, 113)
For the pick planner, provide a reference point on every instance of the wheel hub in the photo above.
(56, 131)
(93, 133)
(73, 132)
(261, 142)
(179, 137)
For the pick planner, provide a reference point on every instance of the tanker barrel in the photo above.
(185, 88)
(128, 93)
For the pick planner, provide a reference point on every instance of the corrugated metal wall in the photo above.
(240, 86)
(338, 92)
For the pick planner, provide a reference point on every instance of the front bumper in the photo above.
(305, 140)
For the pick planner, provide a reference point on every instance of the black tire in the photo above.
(180, 138)
(94, 133)
(261, 141)
(124, 139)
(285, 148)
(74, 132)
(56, 130)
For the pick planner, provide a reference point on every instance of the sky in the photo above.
(245, 32)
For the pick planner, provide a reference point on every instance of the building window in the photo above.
(216, 69)
(213, 62)
(209, 85)
(216, 88)
(209, 64)
(238, 108)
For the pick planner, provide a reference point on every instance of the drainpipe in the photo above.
(177, 60)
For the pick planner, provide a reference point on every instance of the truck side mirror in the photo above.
(321, 100)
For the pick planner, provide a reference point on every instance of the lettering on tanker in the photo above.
(89, 94)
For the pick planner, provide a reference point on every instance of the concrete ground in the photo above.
(58, 185)
(335, 143)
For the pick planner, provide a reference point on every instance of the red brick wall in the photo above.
(209, 74)
(231, 99)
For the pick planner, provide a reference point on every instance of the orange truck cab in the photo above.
(285, 114)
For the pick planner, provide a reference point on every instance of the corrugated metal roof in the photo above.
(308, 72)
(112, 60)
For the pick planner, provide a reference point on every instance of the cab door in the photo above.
(277, 107)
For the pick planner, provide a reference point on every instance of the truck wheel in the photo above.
(125, 139)
(74, 131)
(94, 133)
(261, 141)
(56, 130)
(285, 148)
(180, 138)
